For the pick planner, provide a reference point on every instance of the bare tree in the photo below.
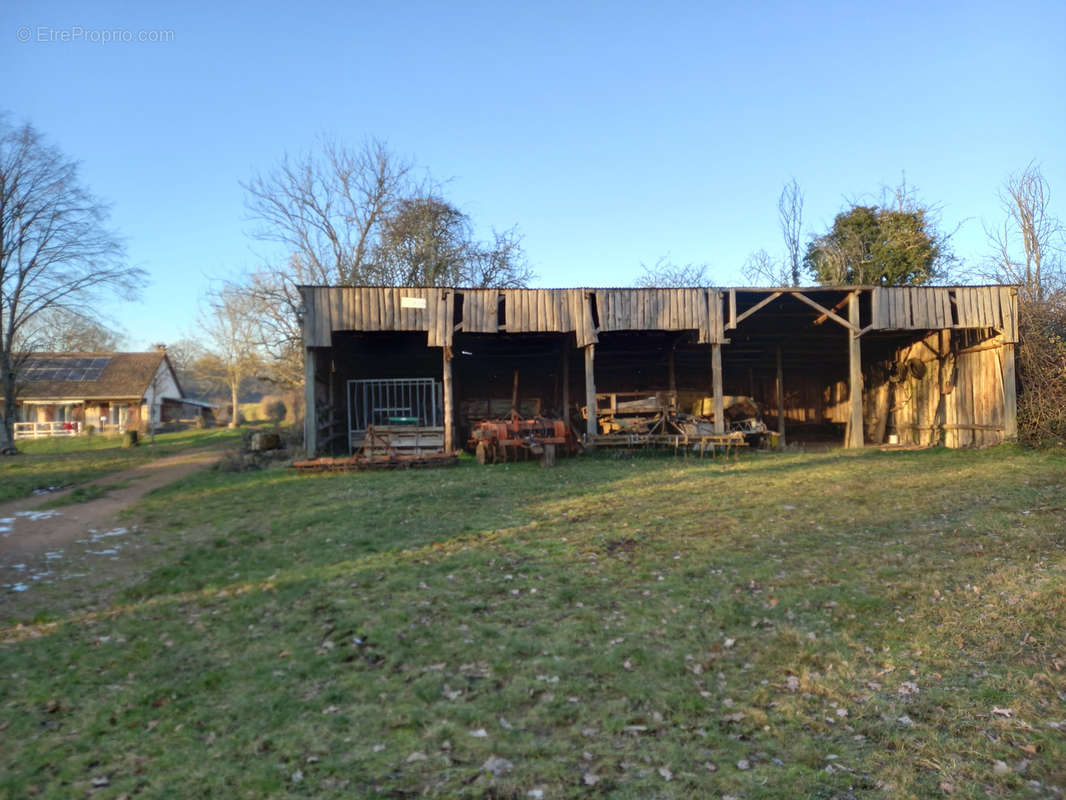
(1028, 245)
(278, 309)
(62, 330)
(327, 209)
(762, 269)
(229, 326)
(427, 241)
(358, 217)
(1027, 250)
(56, 251)
(790, 217)
(186, 355)
(665, 274)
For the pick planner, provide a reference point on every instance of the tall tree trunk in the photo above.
(234, 386)
(7, 428)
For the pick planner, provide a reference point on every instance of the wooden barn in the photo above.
(852, 364)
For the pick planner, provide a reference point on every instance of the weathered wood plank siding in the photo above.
(431, 310)
(964, 394)
(930, 308)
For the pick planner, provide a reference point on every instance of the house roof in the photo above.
(88, 376)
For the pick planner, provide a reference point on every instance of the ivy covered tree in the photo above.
(880, 246)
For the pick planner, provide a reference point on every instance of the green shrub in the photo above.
(275, 411)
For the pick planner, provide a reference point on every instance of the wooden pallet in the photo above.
(383, 439)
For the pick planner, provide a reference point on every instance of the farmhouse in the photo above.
(62, 393)
(862, 364)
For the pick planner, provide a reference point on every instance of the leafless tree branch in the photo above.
(790, 217)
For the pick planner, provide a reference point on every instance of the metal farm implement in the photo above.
(517, 439)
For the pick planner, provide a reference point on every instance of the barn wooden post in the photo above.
(449, 414)
(854, 427)
(590, 390)
(310, 409)
(1010, 394)
(716, 387)
(566, 379)
(671, 370)
(780, 401)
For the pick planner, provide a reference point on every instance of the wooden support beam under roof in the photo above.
(761, 304)
(854, 327)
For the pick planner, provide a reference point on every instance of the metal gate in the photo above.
(384, 401)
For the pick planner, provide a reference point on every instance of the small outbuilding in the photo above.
(64, 393)
(854, 364)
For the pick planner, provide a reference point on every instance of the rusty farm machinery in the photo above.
(516, 439)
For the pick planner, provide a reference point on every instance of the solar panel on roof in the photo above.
(63, 369)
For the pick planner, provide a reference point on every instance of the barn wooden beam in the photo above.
(731, 323)
(671, 369)
(716, 388)
(1010, 396)
(780, 401)
(446, 390)
(310, 407)
(565, 369)
(854, 426)
(840, 304)
(853, 326)
(590, 391)
(760, 305)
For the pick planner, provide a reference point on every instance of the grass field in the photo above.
(793, 625)
(64, 461)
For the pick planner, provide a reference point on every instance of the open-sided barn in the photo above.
(927, 365)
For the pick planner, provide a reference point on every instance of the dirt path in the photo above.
(35, 542)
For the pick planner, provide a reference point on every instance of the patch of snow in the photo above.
(37, 516)
(19, 587)
(109, 552)
(116, 532)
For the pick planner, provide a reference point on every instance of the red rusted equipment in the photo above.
(516, 439)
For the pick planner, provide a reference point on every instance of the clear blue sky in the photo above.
(611, 134)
